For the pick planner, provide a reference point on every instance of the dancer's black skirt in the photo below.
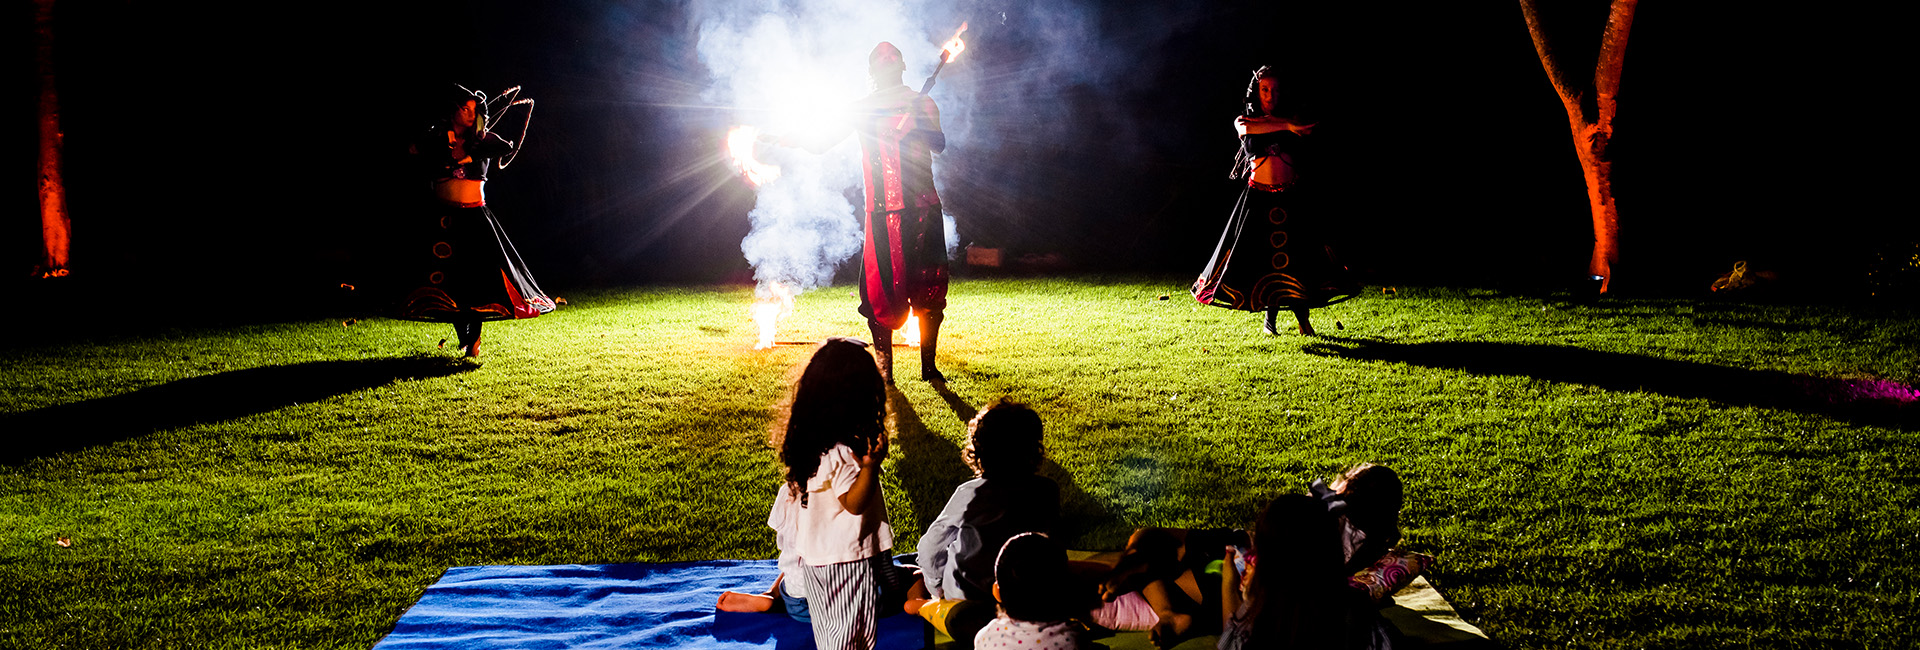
(460, 267)
(1273, 256)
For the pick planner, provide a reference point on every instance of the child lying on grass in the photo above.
(1176, 572)
(1370, 520)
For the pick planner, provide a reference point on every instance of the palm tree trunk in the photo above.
(55, 226)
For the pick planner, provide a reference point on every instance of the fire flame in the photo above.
(769, 310)
(954, 46)
(910, 333)
(740, 147)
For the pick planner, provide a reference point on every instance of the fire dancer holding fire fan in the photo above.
(462, 269)
(903, 264)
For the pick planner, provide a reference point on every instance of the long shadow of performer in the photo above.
(930, 465)
(212, 398)
(1863, 401)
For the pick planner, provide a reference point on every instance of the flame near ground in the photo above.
(771, 307)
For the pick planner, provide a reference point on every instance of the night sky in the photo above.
(259, 151)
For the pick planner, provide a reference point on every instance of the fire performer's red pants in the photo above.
(903, 265)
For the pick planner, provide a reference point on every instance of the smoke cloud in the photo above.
(1030, 110)
(788, 71)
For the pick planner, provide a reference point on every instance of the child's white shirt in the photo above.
(824, 532)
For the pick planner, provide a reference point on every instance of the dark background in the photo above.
(255, 156)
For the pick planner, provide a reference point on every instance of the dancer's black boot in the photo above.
(929, 343)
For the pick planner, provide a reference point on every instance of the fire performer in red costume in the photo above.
(903, 265)
(463, 269)
(1274, 254)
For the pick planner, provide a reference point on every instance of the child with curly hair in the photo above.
(1006, 498)
(830, 518)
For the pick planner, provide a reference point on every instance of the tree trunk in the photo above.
(1591, 128)
(55, 227)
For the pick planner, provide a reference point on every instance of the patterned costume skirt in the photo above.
(1271, 258)
(903, 265)
(462, 268)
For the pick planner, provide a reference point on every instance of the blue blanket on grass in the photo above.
(609, 606)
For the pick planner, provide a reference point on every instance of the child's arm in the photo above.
(1379, 539)
(1229, 590)
(865, 492)
(934, 556)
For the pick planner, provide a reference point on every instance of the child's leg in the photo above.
(916, 595)
(843, 601)
(1176, 602)
(733, 601)
(1150, 553)
(1172, 624)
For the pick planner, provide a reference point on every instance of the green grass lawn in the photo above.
(1626, 474)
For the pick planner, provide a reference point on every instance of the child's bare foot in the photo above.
(1167, 632)
(733, 601)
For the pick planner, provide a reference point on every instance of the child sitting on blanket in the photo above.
(1297, 596)
(1006, 498)
(830, 519)
(1032, 583)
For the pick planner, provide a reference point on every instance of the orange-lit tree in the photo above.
(1590, 104)
(55, 226)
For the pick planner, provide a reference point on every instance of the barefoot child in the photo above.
(1005, 499)
(830, 519)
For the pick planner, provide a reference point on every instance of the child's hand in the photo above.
(876, 451)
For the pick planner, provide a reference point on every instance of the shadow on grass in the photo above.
(212, 398)
(934, 466)
(1863, 401)
(930, 465)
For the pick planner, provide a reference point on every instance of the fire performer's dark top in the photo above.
(904, 262)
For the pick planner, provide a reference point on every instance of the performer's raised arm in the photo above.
(1245, 126)
(491, 145)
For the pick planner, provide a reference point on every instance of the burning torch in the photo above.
(951, 49)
